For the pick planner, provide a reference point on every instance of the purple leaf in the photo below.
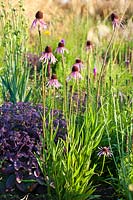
(10, 183)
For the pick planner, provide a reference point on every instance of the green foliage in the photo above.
(68, 164)
(98, 110)
(126, 175)
(15, 85)
(14, 72)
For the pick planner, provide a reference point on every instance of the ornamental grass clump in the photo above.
(69, 164)
(14, 38)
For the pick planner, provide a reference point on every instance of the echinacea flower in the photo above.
(116, 22)
(79, 64)
(38, 21)
(104, 151)
(61, 48)
(53, 82)
(47, 56)
(89, 46)
(75, 74)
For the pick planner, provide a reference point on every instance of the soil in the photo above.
(105, 192)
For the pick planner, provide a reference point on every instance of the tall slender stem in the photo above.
(43, 82)
(88, 79)
(40, 38)
(102, 165)
(48, 70)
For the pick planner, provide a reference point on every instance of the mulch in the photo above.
(104, 191)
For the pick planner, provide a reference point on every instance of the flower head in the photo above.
(79, 64)
(48, 49)
(116, 21)
(61, 48)
(38, 21)
(105, 151)
(47, 32)
(47, 56)
(53, 82)
(75, 68)
(89, 46)
(39, 15)
(75, 74)
(61, 44)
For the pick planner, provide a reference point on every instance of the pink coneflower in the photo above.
(53, 82)
(116, 21)
(79, 64)
(39, 22)
(47, 56)
(89, 46)
(75, 74)
(95, 72)
(61, 48)
(104, 151)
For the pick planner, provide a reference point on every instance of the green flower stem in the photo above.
(103, 165)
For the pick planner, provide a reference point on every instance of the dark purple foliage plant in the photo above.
(21, 133)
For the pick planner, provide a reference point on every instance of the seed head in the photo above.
(53, 76)
(78, 60)
(113, 16)
(88, 43)
(75, 68)
(48, 49)
(60, 44)
(39, 15)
